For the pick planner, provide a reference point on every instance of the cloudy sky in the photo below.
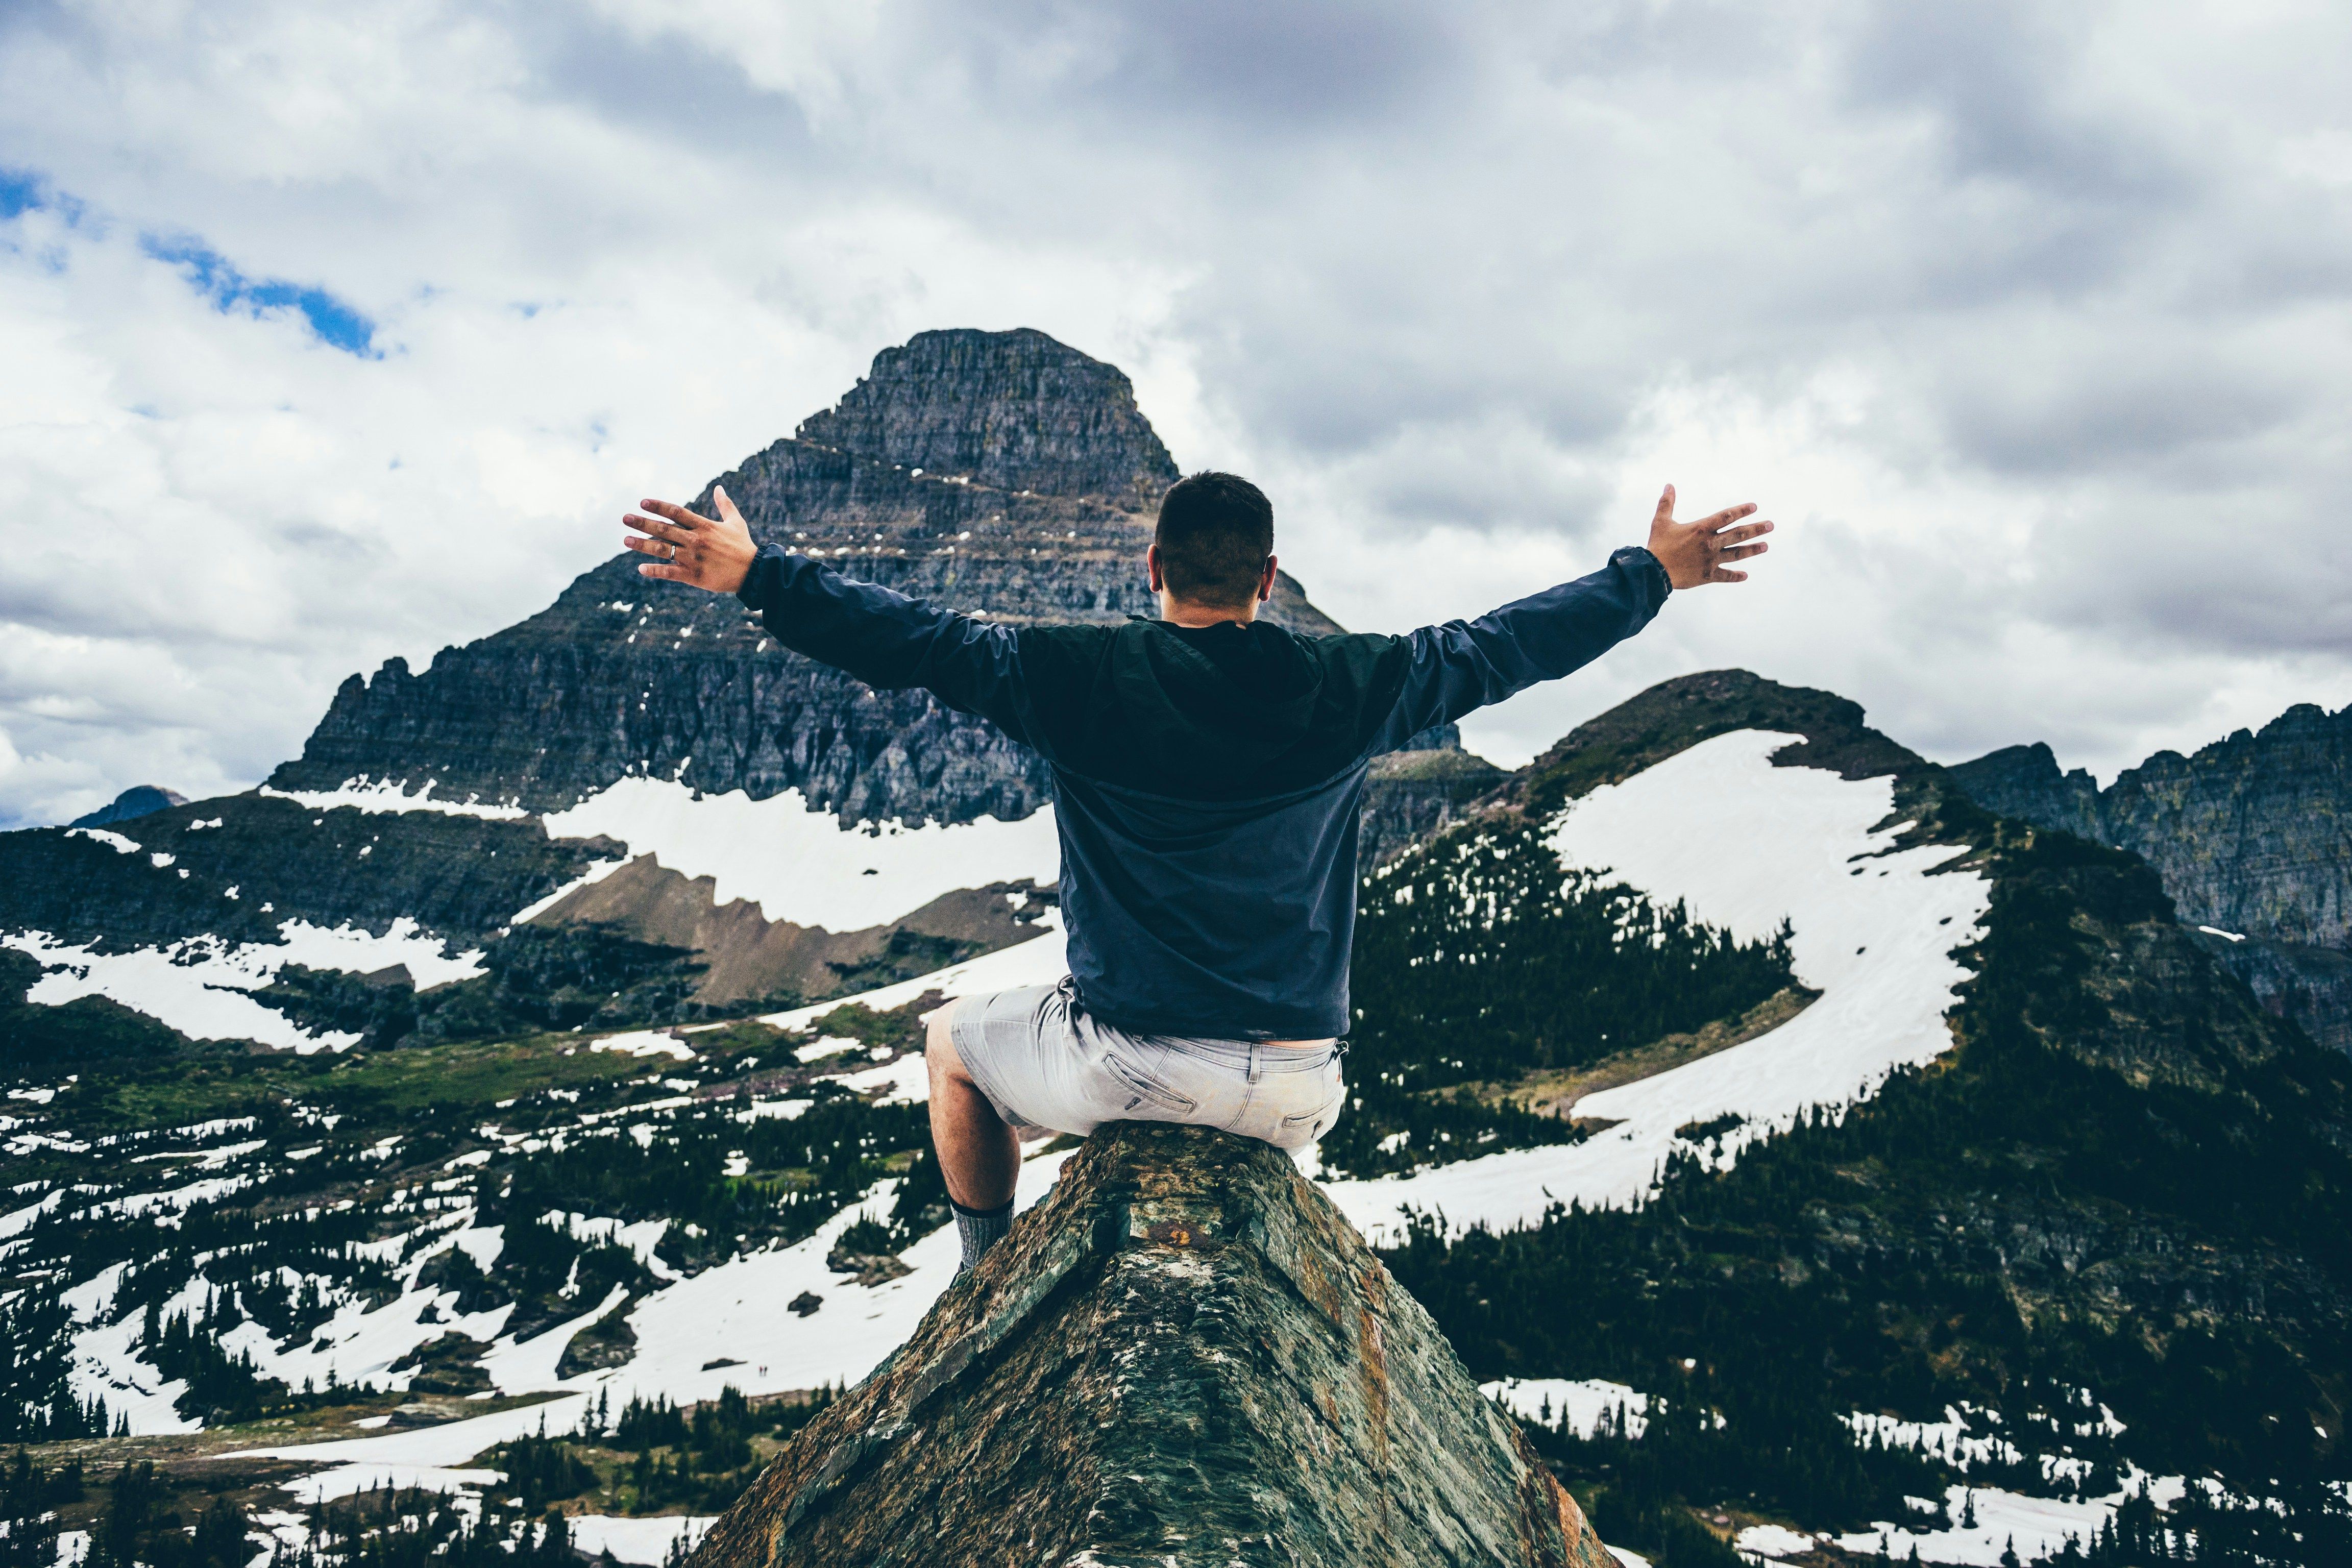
(333, 333)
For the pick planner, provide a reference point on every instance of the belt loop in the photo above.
(1258, 1060)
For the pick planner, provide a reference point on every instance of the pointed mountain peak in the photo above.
(1017, 410)
(1184, 1355)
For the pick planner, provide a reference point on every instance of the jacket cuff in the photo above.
(1649, 568)
(754, 592)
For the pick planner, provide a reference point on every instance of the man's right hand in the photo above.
(709, 552)
(1695, 552)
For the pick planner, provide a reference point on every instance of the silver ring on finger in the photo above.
(673, 553)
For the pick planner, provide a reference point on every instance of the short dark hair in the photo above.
(1215, 531)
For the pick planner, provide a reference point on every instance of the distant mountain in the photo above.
(2251, 836)
(139, 800)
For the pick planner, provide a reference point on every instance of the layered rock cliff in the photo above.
(2251, 836)
(1185, 1355)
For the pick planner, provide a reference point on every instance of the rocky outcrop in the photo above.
(1184, 1355)
(750, 958)
(2025, 783)
(2251, 836)
(1411, 793)
(2252, 833)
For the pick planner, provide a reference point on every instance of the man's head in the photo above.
(1212, 554)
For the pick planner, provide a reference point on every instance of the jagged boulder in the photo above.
(1184, 1355)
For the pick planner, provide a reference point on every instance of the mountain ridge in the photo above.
(2251, 835)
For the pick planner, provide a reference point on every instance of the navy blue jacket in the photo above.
(1206, 779)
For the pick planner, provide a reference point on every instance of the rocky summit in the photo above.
(1184, 1355)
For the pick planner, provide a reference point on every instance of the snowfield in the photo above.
(803, 865)
(199, 986)
(1745, 845)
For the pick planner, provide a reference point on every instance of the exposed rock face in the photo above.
(1411, 793)
(750, 957)
(2025, 783)
(1184, 1355)
(2313, 985)
(139, 800)
(1010, 410)
(2252, 834)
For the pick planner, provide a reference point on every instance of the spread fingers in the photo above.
(676, 513)
(1744, 532)
(1728, 514)
(658, 528)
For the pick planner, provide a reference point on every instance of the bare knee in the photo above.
(939, 1046)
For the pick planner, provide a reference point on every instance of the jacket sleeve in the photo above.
(1462, 666)
(886, 640)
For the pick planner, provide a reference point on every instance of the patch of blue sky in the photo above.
(337, 322)
(19, 191)
(23, 191)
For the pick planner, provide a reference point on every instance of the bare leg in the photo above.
(978, 1155)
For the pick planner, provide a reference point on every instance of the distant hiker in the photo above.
(1207, 768)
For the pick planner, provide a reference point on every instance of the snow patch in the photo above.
(1041, 960)
(374, 797)
(1573, 1404)
(120, 845)
(1773, 1541)
(2038, 1527)
(646, 1043)
(646, 1541)
(800, 865)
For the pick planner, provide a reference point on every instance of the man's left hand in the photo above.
(1697, 553)
(709, 553)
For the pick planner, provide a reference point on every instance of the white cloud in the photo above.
(2027, 326)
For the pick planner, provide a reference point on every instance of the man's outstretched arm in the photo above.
(879, 635)
(1464, 666)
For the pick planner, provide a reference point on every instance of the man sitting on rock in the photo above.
(1207, 768)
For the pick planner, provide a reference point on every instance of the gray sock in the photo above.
(979, 1229)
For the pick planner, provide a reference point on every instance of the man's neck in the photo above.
(1185, 612)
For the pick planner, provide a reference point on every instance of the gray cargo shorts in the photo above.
(1043, 1062)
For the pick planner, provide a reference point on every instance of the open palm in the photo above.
(1695, 553)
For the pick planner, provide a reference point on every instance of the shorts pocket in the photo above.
(1314, 1124)
(1138, 1089)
